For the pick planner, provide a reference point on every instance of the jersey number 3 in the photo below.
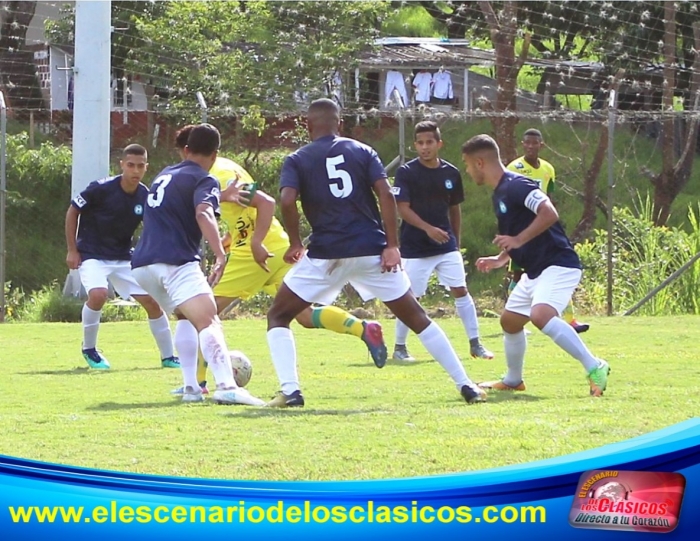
(156, 199)
(341, 181)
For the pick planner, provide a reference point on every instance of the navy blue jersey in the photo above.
(431, 192)
(108, 218)
(171, 234)
(513, 200)
(334, 177)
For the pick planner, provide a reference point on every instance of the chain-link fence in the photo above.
(622, 140)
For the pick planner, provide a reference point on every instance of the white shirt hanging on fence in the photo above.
(334, 88)
(442, 85)
(394, 81)
(423, 82)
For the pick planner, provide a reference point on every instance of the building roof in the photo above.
(435, 52)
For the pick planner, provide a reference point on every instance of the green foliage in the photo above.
(14, 300)
(38, 184)
(644, 256)
(49, 305)
(233, 47)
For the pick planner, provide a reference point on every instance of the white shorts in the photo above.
(172, 285)
(321, 280)
(95, 273)
(553, 287)
(449, 268)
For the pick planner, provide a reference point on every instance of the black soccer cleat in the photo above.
(281, 400)
(472, 394)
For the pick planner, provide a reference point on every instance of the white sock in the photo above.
(160, 328)
(215, 352)
(187, 344)
(467, 313)
(568, 339)
(437, 344)
(91, 324)
(401, 333)
(515, 346)
(284, 358)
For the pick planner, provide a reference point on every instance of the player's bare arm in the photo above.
(487, 264)
(409, 216)
(546, 217)
(290, 220)
(210, 231)
(391, 256)
(265, 206)
(455, 215)
(73, 258)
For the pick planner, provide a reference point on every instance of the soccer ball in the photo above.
(242, 367)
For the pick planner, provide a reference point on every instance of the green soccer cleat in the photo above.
(598, 378)
(170, 362)
(95, 359)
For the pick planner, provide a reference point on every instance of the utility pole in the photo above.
(93, 100)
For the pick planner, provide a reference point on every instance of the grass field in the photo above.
(359, 422)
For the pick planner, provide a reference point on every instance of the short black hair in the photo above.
(479, 143)
(135, 150)
(324, 105)
(533, 132)
(204, 139)
(427, 126)
(182, 135)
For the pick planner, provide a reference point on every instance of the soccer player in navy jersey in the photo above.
(530, 234)
(100, 225)
(428, 193)
(180, 209)
(337, 179)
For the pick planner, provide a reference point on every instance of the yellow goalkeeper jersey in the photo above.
(239, 219)
(543, 175)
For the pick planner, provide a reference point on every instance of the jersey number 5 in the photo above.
(341, 181)
(156, 199)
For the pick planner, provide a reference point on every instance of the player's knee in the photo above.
(97, 297)
(152, 308)
(278, 317)
(541, 314)
(304, 319)
(458, 292)
(512, 323)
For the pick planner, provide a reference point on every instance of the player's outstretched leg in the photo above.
(187, 344)
(408, 310)
(91, 314)
(280, 339)
(160, 329)
(201, 312)
(338, 320)
(545, 318)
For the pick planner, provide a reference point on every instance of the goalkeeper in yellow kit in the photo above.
(256, 243)
(530, 165)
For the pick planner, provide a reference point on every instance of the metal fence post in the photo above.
(3, 200)
(611, 199)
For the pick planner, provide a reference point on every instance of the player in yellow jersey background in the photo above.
(530, 165)
(256, 243)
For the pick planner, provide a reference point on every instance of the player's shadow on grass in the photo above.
(259, 413)
(118, 406)
(389, 362)
(78, 370)
(497, 397)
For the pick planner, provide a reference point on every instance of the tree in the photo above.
(503, 27)
(675, 171)
(14, 22)
(243, 53)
